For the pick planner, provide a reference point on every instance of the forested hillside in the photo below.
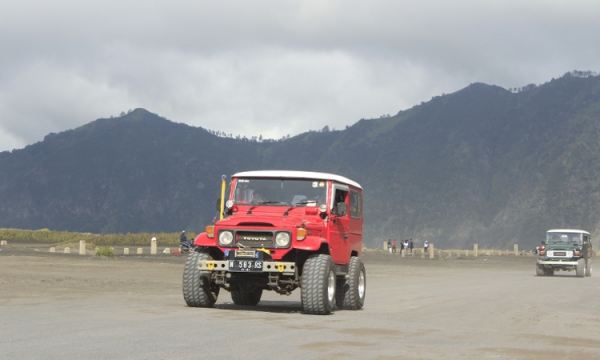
(483, 165)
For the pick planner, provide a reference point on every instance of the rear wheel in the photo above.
(588, 268)
(198, 289)
(350, 294)
(318, 285)
(580, 271)
(246, 295)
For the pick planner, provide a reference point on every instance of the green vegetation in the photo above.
(105, 251)
(64, 237)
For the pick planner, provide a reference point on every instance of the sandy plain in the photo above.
(67, 306)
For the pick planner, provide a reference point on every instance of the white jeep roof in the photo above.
(568, 231)
(286, 174)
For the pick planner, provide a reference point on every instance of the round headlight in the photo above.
(229, 204)
(323, 208)
(225, 237)
(282, 239)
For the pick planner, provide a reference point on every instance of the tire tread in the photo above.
(314, 284)
(196, 291)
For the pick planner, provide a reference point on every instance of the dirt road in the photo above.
(57, 306)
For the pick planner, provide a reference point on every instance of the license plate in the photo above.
(560, 253)
(245, 253)
(245, 265)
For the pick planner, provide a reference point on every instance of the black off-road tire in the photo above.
(580, 270)
(340, 292)
(318, 285)
(549, 271)
(539, 270)
(245, 297)
(198, 289)
(350, 294)
(588, 269)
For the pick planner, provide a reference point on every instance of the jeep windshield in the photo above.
(563, 237)
(280, 192)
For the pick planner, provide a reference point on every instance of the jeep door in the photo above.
(587, 247)
(356, 221)
(339, 232)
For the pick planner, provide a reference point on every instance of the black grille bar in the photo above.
(255, 239)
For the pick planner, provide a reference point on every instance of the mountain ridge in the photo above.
(481, 165)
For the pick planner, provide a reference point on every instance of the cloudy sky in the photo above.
(272, 67)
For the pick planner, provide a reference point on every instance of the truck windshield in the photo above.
(563, 237)
(280, 192)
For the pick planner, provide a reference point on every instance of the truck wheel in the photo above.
(340, 292)
(549, 272)
(198, 289)
(588, 268)
(350, 295)
(539, 270)
(580, 271)
(318, 285)
(246, 297)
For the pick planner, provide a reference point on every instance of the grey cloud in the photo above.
(271, 67)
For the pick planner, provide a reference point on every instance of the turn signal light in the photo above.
(576, 252)
(300, 234)
(210, 231)
(542, 252)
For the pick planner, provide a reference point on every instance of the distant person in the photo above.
(411, 245)
(183, 241)
(425, 246)
(389, 245)
(394, 246)
(406, 245)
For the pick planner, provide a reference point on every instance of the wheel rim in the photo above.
(331, 287)
(361, 285)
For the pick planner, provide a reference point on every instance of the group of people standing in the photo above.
(405, 244)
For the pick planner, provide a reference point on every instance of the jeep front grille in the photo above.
(255, 239)
(560, 254)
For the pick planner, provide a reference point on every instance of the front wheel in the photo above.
(198, 288)
(580, 270)
(539, 270)
(318, 285)
(350, 294)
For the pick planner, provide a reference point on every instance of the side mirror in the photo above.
(219, 204)
(342, 209)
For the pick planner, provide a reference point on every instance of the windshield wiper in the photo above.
(268, 202)
(301, 202)
(262, 203)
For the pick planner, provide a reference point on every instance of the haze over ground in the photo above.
(271, 68)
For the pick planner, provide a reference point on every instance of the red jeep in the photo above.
(283, 230)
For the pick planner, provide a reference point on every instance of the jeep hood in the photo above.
(266, 220)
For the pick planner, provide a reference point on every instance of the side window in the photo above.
(339, 197)
(355, 204)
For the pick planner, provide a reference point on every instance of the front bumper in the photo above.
(557, 262)
(288, 268)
